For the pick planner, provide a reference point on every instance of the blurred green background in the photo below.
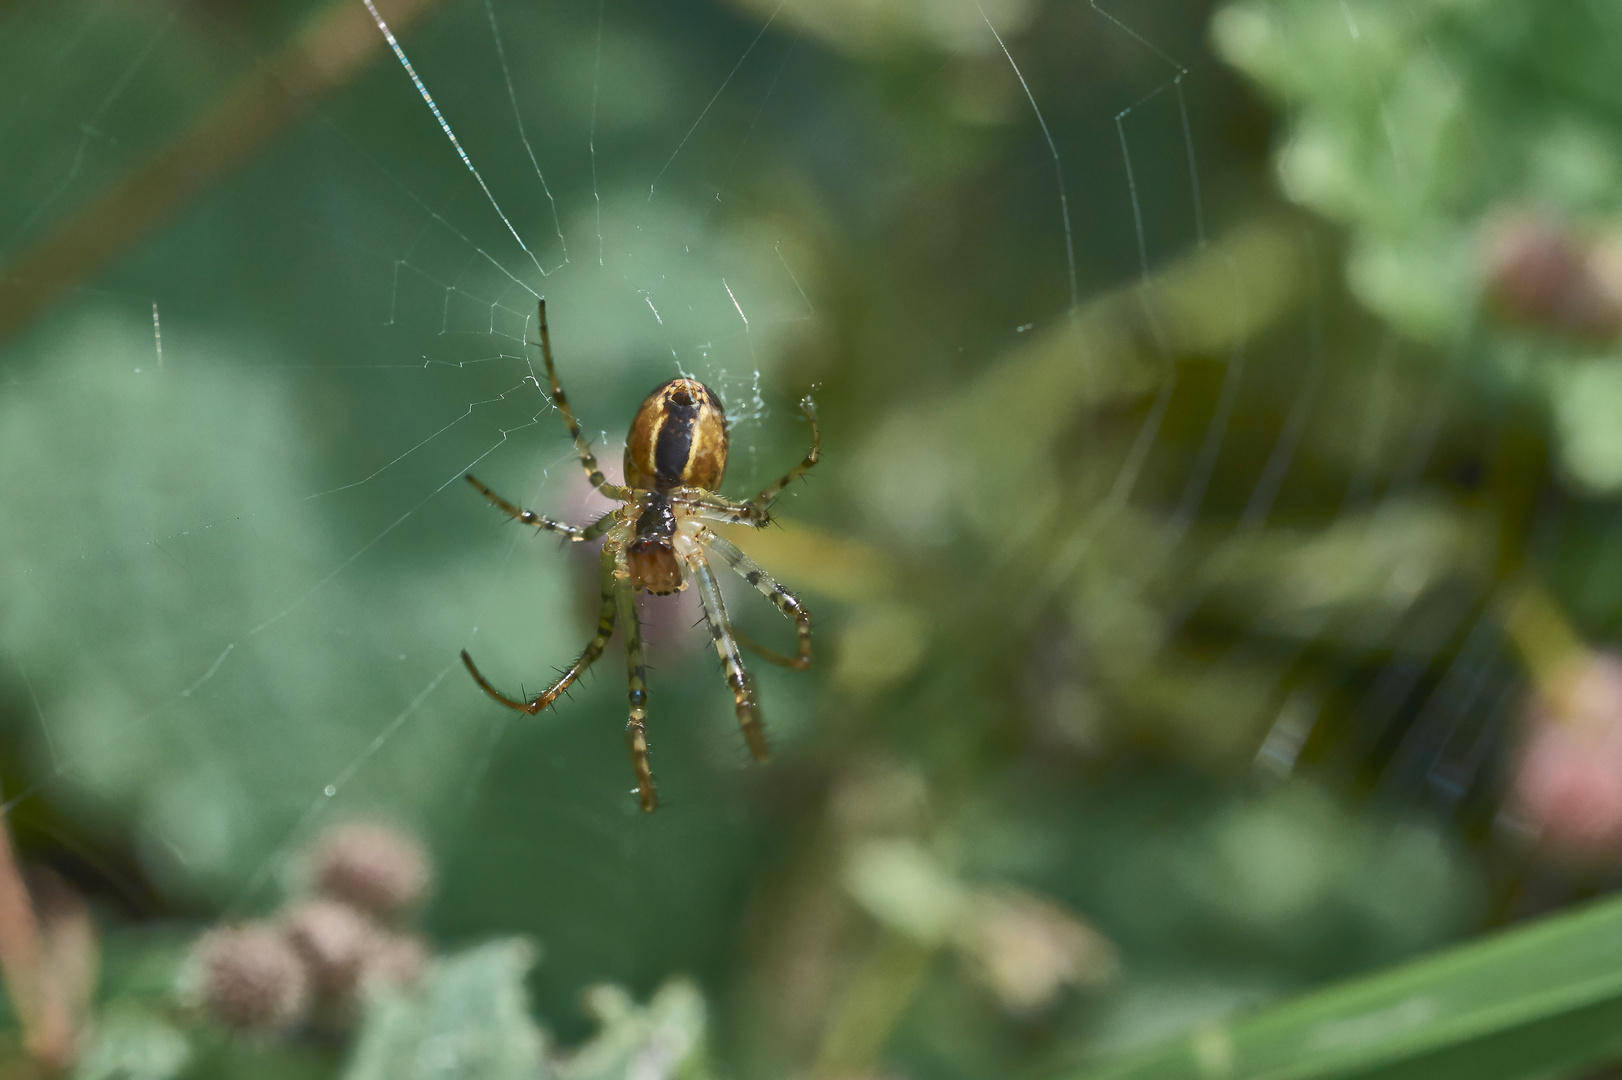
(1219, 411)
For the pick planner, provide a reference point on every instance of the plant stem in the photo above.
(41, 1007)
(322, 58)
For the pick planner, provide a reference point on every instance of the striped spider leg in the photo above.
(785, 601)
(541, 521)
(726, 645)
(610, 585)
(636, 677)
(618, 606)
(588, 460)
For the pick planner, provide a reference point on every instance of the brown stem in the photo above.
(876, 1000)
(323, 57)
(41, 1007)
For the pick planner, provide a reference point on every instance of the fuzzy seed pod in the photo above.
(251, 978)
(1538, 272)
(336, 941)
(377, 868)
(1568, 775)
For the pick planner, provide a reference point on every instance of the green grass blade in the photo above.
(1522, 1003)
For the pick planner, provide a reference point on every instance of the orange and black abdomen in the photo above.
(678, 439)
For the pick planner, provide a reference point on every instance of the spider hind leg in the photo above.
(726, 644)
(781, 598)
(636, 673)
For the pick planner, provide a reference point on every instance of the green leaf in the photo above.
(469, 1020)
(663, 1040)
(133, 1046)
(1522, 1003)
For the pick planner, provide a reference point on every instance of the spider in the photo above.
(656, 541)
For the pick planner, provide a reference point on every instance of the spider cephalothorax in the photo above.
(656, 540)
(651, 556)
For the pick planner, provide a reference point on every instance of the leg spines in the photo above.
(726, 646)
(528, 517)
(594, 650)
(761, 504)
(781, 598)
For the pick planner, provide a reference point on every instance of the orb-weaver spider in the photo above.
(655, 541)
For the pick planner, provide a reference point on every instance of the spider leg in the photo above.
(765, 652)
(598, 527)
(726, 644)
(786, 602)
(710, 507)
(594, 649)
(588, 460)
(541, 521)
(763, 501)
(636, 673)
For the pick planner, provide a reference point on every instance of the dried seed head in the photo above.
(335, 940)
(1568, 776)
(377, 868)
(1537, 271)
(251, 978)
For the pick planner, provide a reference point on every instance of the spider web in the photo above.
(242, 560)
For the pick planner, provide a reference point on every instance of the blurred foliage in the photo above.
(471, 1019)
(1413, 125)
(1165, 572)
(134, 1046)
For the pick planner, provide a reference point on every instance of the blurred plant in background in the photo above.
(287, 991)
(1212, 588)
(1473, 152)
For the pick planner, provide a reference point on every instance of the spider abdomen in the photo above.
(678, 439)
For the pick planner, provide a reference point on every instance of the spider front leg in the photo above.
(636, 672)
(785, 601)
(541, 521)
(762, 502)
(726, 644)
(594, 648)
(588, 460)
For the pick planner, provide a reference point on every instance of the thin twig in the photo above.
(322, 58)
